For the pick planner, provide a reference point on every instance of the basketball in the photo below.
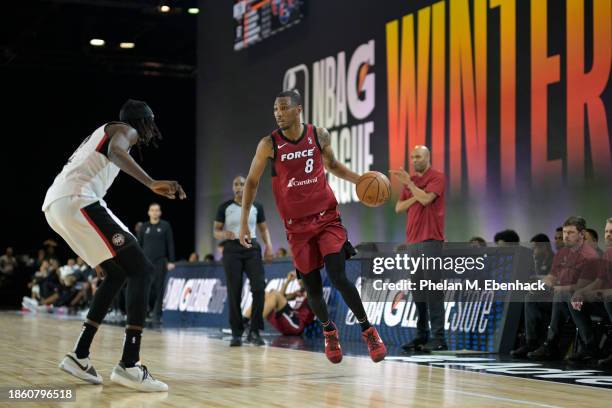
(373, 188)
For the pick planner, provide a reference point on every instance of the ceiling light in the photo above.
(164, 8)
(97, 42)
(127, 45)
(193, 10)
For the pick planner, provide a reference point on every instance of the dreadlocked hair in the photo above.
(148, 133)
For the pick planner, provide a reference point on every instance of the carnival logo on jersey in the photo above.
(118, 240)
(341, 99)
(298, 183)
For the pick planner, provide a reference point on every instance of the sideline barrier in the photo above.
(196, 295)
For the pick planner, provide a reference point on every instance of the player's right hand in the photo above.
(168, 189)
(245, 236)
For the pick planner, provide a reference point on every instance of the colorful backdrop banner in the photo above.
(512, 96)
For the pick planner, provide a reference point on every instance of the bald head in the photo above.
(420, 158)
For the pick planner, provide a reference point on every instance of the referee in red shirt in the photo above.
(422, 199)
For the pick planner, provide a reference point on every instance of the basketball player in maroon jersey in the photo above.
(299, 154)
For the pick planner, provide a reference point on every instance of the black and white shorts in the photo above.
(91, 230)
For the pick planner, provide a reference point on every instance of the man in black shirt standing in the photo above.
(238, 259)
(155, 238)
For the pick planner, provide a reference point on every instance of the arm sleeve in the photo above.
(221, 213)
(260, 213)
(170, 242)
(435, 185)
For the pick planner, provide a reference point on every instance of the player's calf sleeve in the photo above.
(317, 304)
(111, 284)
(314, 292)
(139, 271)
(334, 265)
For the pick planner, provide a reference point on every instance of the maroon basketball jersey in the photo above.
(298, 175)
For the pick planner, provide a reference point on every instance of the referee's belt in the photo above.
(237, 242)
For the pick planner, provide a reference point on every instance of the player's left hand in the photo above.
(168, 188)
(245, 236)
(402, 175)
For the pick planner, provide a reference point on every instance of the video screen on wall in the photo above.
(256, 20)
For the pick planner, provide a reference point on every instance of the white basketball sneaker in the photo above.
(80, 368)
(29, 304)
(138, 378)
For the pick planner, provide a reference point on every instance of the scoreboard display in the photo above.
(256, 20)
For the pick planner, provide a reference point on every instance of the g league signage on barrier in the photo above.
(196, 295)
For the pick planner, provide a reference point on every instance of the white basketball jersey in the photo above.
(88, 173)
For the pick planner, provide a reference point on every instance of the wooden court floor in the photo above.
(205, 372)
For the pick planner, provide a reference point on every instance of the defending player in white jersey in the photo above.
(75, 209)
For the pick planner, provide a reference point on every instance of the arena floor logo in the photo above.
(512, 368)
(335, 91)
(195, 295)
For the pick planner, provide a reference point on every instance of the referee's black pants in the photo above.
(238, 259)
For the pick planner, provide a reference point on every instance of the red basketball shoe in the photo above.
(377, 348)
(333, 351)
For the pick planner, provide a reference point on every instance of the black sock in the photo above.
(365, 324)
(328, 326)
(131, 347)
(84, 342)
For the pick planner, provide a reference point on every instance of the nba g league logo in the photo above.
(339, 94)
